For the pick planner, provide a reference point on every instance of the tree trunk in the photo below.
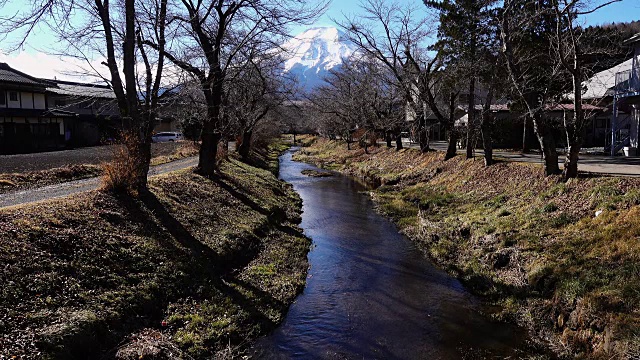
(428, 139)
(471, 118)
(575, 137)
(211, 136)
(487, 141)
(452, 146)
(294, 138)
(399, 141)
(388, 139)
(525, 148)
(575, 132)
(424, 140)
(245, 144)
(547, 145)
(571, 162)
(550, 155)
(207, 161)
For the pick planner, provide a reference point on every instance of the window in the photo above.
(13, 96)
(3, 97)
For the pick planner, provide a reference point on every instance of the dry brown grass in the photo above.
(33, 179)
(571, 276)
(185, 149)
(7, 183)
(218, 259)
(120, 174)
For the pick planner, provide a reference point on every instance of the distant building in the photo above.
(42, 115)
(95, 107)
(625, 121)
(27, 123)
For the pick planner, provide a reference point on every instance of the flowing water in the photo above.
(370, 293)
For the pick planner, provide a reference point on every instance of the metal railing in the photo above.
(628, 81)
(619, 135)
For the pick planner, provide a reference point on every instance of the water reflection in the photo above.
(370, 293)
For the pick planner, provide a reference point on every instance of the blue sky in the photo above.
(626, 10)
(32, 60)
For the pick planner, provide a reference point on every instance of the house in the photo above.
(95, 107)
(625, 121)
(27, 122)
(44, 114)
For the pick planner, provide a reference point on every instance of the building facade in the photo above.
(44, 115)
(27, 123)
(625, 121)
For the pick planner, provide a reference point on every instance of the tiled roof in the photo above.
(570, 107)
(601, 85)
(60, 113)
(7, 74)
(81, 90)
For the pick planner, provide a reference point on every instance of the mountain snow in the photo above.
(311, 54)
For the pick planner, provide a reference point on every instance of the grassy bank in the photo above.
(532, 244)
(196, 267)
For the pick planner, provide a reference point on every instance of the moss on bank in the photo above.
(196, 267)
(530, 243)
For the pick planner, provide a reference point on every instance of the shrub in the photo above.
(120, 174)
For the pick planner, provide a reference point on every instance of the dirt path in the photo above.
(75, 187)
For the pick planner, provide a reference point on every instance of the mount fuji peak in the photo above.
(312, 54)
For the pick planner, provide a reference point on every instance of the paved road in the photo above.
(619, 166)
(75, 187)
(88, 156)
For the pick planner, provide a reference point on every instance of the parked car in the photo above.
(167, 136)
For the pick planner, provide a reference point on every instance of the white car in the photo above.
(167, 136)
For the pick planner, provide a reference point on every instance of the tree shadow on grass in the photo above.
(176, 229)
(239, 192)
(203, 264)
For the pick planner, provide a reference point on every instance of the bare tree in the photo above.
(384, 32)
(339, 104)
(257, 88)
(571, 50)
(114, 32)
(209, 37)
(440, 91)
(524, 30)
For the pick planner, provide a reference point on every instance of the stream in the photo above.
(370, 293)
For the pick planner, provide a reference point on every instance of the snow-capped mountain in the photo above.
(311, 54)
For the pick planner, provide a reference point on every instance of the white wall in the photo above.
(27, 100)
(39, 101)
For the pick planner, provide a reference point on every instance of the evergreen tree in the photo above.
(467, 39)
(535, 78)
